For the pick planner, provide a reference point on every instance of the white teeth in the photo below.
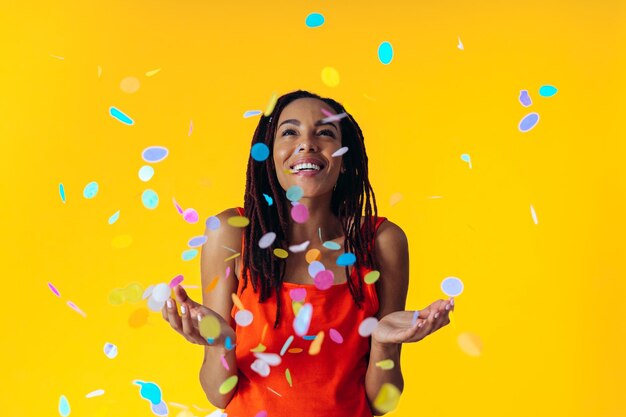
(309, 166)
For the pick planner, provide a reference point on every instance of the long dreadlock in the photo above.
(350, 201)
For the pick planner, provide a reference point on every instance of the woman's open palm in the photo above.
(404, 327)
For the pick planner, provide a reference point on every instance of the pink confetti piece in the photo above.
(224, 363)
(227, 272)
(190, 127)
(176, 280)
(75, 308)
(335, 336)
(178, 208)
(300, 213)
(191, 215)
(415, 316)
(326, 112)
(54, 290)
(333, 118)
(297, 294)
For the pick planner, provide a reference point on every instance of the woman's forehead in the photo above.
(305, 107)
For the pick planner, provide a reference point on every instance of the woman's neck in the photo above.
(320, 217)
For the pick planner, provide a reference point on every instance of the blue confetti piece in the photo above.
(452, 286)
(346, 259)
(252, 113)
(150, 391)
(308, 337)
(119, 115)
(294, 193)
(524, 98)
(314, 20)
(385, 53)
(528, 122)
(90, 190)
(197, 241)
(64, 406)
(331, 245)
(150, 199)
(547, 91)
(114, 217)
(62, 192)
(260, 152)
(213, 223)
(154, 154)
(228, 343)
(269, 200)
(189, 254)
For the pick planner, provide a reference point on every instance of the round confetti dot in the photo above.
(385, 53)
(294, 193)
(263, 413)
(315, 267)
(272, 359)
(243, 318)
(335, 336)
(313, 255)
(114, 217)
(133, 293)
(371, 277)
(228, 385)
(297, 294)
(395, 199)
(324, 279)
(331, 245)
(129, 85)
(260, 152)
(470, 343)
(90, 190)
(281, 253)
(547, 91)
(191, 215)
(387, 398)
(314, 20)
(367, 326)
(189, 254)
(197, 241)
(296, 306)
(150, 199)
(267, 240)
(154, 154)
(528, 122)
(159, 409)
(154, 305)
(213, 223)
(316, 345)
(148, 292)
(346, 259)
(110, 350)
(116, 297)
(385, 364)
(300, 213)
(330, 77)
(302, 320)
(238, 221)
(340, 151)
(161, 292)
(138, 318)
(122, 241)
(209, 327)
(524, 98)
(64, 406)
(175, 281)
(145, 173)
(260, 367)
(120, 116)
(452, 286)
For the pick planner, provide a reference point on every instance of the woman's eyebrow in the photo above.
(318, 123)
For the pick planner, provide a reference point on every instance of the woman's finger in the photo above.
(189, 330)
(173, 317)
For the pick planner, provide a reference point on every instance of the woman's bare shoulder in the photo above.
(223, 232)
(391, 236)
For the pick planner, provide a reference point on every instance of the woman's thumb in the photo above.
(181, 294)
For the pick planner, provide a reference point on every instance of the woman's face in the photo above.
(303, 147)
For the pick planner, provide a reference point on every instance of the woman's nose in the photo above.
(306, 146)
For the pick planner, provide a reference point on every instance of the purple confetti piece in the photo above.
(75, 308)
(54, 290)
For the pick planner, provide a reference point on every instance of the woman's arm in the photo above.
(212, 372)
(391, 247)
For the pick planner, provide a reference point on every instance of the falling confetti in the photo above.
(452, 286)
(303, 319)
(110, 350)
(197, 241)
(150, 199)
(213, 223)
(252, 113)
(269, 199)
(470, 343)
(260, 367)
(313, 255)
(129, 85)
(528, 122)
(315, 267)
(340, 151)
(524, 98)
(466, 158)
(152, 72)
(314, 20)
(237, 301)
(243, 318)
(270, 105)
(114, 217)
(228, 385)
(179, 209)
(176, 280)
(54, 290)
(532, 212)
(75, 308)
(316, 345)
(300, 247)
(335, 336)
(385, 53)
(145, 173)
(64, 406)
(294, 193)
(547, 91)
(367, 326)
(385, 364)
(95, 393)
(191, 215)
(90, 190)
(62, 192)
(280, 253)
(334, 118)
(371, 277)
(260, 152)
(324, 279)
(190, 128)
(331, 245)
(288, 376)
(121, 116)
(395, 199)
(330, 76)
(154, 154)
(267, 240)
(300, 213)
(387, 398)
(286, 345)
(224, 363)
(346, 259)
(460, 44)
(238, 221)
(209, 327)
(297, 294)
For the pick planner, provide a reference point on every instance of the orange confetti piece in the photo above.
(295, 350)
(316, 345)
(211, 285)
(264, 331)
(313, 255)
(237, 301)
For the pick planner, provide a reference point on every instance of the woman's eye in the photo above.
(327, 132)
(286, 132)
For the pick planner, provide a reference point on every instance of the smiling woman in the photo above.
(323, 301)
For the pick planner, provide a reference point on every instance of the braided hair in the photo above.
(352, 198)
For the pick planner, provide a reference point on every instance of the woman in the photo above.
(308, 350)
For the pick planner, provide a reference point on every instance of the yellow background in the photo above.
(545, 298)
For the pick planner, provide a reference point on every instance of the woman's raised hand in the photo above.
(188, 323)
(405, 327)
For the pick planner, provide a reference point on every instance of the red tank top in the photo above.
(330, 383)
